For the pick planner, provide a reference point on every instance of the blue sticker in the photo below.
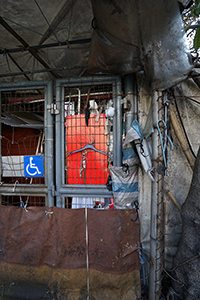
(33, 166)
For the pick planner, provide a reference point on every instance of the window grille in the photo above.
(88, 134)
(22, 133)
(22, 201)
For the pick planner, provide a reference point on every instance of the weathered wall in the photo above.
(179, 173)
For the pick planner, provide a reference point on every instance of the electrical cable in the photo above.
(9, 66)
(183, 125)
(162, 145)
(186, 97)
(46, 20)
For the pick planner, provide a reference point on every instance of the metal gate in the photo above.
(88, 127)
(27, 166)
(86, 121)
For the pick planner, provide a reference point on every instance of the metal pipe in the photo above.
(87, 191)
(40, 71)
(154, 191)
(52, 45)
(157, 202)
(79, 101)
(63, 141)
(118, 116)
(49, 144)
(130, 89)
(0, 148)
(92, 80)
(114, 126)
(24, 189)
(23, 85)
(59, 167)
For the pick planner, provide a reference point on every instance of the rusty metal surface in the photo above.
(57, 238)
(43, 252)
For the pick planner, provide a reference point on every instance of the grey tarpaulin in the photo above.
(125, 178)
(151, 38)
(125, 186)
(135, 134)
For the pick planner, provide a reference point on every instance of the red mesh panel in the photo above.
(88, 167)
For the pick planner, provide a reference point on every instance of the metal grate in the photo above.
(22, 133)
(23, 101)
(23, 201)
(89, 134)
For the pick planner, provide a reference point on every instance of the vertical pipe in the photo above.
(154, 191)
(130, 89)
(118, 128)
(49, 145)
(157, 204)
(63, 141)
(114, 127)
(58, 145)
(0, 147)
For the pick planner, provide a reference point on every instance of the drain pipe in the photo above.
(130, 89)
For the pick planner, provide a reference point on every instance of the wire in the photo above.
(192, 99)
(183, 125)
(70, 20)
(46, 20)
(162, 145)
(28, 29)
(9, 66)
(42, 71)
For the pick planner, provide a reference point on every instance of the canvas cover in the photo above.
(150, 39)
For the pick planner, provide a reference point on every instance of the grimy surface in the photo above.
(186, 270)
(43, 252)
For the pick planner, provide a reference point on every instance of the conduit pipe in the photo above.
(157, 203)
(49, 143)
(130, 89)
(181, 137)
(154, 191)
(117, 122)
(0, 150)
(58, 156)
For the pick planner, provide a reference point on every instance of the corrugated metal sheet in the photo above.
(47, 247)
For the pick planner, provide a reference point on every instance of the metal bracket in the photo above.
(53, 109)
(53, 190)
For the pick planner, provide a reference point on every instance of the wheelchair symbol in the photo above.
(31, 168)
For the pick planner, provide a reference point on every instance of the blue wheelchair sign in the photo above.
(33, 166)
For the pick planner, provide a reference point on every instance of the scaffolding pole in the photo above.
(157, 203)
